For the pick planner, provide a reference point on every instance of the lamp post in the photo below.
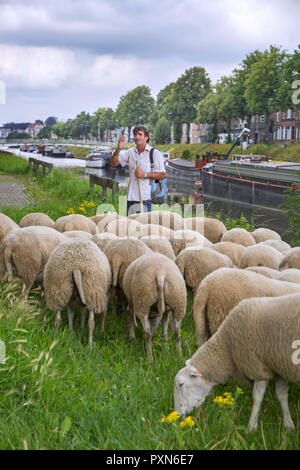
(169, 128)
(268, 120)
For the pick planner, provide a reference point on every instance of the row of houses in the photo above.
(32, 130)
(281, 126)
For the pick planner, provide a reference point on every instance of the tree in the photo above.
(18, 135)
(45, 133)
(189, 89)
(287, 96)
(51, 120)
(161, 132)
(102, 120)
(207, 113)
(263, 83)
(81, 126)
(135, 107)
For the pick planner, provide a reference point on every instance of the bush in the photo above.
(186, 154)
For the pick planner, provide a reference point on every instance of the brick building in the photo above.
(286, 125)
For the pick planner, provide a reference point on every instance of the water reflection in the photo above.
(183, 193)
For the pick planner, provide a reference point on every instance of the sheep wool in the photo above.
(234, 251)
(195, 264)
(223, 289)
(238, 235)
(212, 229)
(153, 279)
(261, 255)
(80, 263)
(291, 259)
(159, 245)
(289, 275)
(279, 245)
(26, 251)
(168, 219)
(263, 234)
(75, 222)
(36, 218)
(6, 226)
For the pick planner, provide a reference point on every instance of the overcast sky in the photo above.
(60, 57)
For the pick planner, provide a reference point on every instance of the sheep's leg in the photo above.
(83, 317)
(281, 387)
(258, 392)
(130, 321)
(91, 328)
(70, 317)
(26, 288)
(177, 338)
(114, 300)
(165, 324)
(147, 335)
(57, 320)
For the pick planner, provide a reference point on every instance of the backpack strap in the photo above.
(151, 161)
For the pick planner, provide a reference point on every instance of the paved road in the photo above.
(12, 193)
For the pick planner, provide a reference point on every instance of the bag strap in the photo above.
(151, 161)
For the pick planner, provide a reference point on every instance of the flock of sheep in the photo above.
(246, 289)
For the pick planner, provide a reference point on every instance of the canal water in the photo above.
(182, 192)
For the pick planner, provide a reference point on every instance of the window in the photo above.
(262, 118)
(289, 114)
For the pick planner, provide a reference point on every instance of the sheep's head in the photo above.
(190, 389)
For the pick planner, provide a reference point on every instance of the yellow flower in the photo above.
(182, 424)
(189, 421)
(163, 419)
(173, 417)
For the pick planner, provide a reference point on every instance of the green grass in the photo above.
(57, 394)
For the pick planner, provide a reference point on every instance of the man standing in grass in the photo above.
(138, 160)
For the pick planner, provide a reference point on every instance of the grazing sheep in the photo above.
(223, 289)
(195, 264)
(159, 245)
(254, 344)
(289, 275)
(26, 251)
(188, 238)
(155, 280)
(77, 267)
(121, 252)
(291, 259)
(263, 234)
(268, 272)
(75, 222)
(6, 226)
(150, 230)
(97, 218)
(279, 245)
(238, 235)
(234, 251)
(212, 229)
(168, 219)
(78, 234)
(261, 255)
(36, 218)
(102, 239)
(123, 227)
(107, 219)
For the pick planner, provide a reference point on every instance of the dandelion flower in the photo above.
(173, 417)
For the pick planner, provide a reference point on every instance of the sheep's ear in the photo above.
(193, 370)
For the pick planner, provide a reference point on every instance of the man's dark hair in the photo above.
(144, 129)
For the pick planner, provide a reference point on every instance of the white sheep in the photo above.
(75, 222)
(102, 224)
(6, 226)
(36, 218)
(26, 252)
(234, 251)
(268, 272)
(279, 245)
(291, 259)
(212, 229)
(238, 235)
(254, 344)
(223, 289)
(77, 268)
(78, 234)
(153, 279)
(168, 219)
(150, 230)
(182, 239)
(289, 275)
(196, 263)
(263, 234)
(102, 239)
(260, 255)
(159, 245)
(123, 227)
